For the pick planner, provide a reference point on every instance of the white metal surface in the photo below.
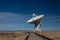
(36, 21)
(35, 18)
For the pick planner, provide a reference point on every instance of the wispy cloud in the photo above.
(12, 18)
(5, 15)
(52, 18)
(12, 21)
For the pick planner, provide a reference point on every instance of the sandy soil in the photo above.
(20, 35)
(51, 34)
(12, 35)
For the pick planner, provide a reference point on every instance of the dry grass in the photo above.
(52, 34)
(17, 35)
(11, 35)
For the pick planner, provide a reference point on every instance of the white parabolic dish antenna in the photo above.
(36, 21)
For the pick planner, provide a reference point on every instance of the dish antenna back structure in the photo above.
(36, 20)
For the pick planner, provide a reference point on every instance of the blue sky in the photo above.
(15, 13)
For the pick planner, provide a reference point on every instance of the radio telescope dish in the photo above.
(36, 21)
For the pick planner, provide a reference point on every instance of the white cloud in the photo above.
(52, 18)
(5, 15)
(12, 20)
(12, 17)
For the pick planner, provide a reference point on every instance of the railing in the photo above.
(41, 36)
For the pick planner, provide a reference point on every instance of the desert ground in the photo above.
(12, 35)
(20, 35)
(55, 35)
